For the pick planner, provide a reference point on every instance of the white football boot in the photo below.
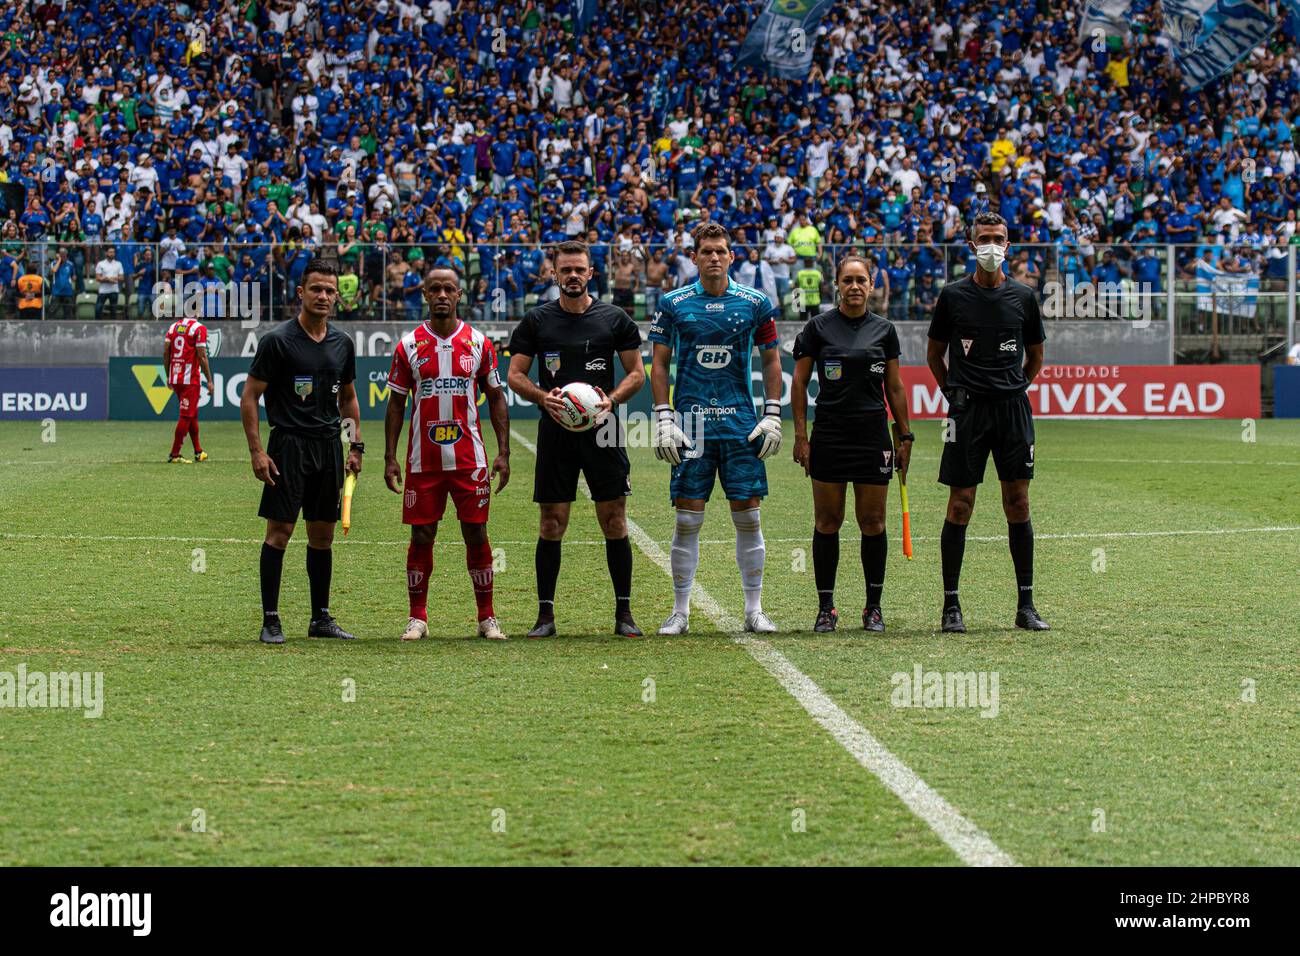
(415, 629)
(677, 623)
(490, 629)
(759, 623)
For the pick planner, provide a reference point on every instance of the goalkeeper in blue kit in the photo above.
(712, 326)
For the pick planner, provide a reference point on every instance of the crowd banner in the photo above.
(1211, 36)
(584, 12)
(1104, 17)
(1225, 292)
(60, 393)
(781, 39)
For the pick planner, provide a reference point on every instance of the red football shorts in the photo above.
(188, 398)
(425, 497)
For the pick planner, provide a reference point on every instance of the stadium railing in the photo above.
(1209, 294)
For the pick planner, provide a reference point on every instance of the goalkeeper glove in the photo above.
(768, 429)
(668, 438)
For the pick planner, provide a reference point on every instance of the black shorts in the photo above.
(561, 454)
(1004, 427)
(310, 479)
(860, 452)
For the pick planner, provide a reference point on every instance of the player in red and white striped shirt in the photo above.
(444, 365)
(185, 352)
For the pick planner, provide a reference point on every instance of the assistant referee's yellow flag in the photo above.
(349, 486)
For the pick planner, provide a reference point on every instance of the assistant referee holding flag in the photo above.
(991, 328)
(855, 354)
(307, 370)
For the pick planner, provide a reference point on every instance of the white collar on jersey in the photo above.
(460, 324)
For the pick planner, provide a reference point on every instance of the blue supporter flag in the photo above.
(1211, 36)
(584, 11)
(781, 39)
(1104, 18)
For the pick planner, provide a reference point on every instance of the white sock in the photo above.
(685, 557)
(750, 552)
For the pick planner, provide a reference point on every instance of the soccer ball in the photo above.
(580, 400)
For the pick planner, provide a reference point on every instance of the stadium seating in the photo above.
(562, 133)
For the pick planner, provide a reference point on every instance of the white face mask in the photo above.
(990, 256)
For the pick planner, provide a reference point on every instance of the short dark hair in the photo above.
(319, 266)
(573, 247)
(986, 219)
(428, 276)
(710, 230)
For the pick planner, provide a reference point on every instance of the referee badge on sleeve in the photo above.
(834, 370)
(302, 386)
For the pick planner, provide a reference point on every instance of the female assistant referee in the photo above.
(855, 353)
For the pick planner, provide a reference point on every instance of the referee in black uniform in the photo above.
(306, 369)
(991, 328)
(576, 339)
(855, 354)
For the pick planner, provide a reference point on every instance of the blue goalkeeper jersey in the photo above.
(713, 339)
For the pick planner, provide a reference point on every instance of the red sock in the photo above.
(419, 565)
(182, 426)
(194, 436)
(478, 558)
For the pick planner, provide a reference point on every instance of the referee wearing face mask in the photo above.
(991, 329)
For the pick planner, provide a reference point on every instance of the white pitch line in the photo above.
(968, 841)
(402, 542)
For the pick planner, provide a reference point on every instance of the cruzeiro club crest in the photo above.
(834, 370)
(552, 362)
(302, 386)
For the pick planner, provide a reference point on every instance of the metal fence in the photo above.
(1206, 293)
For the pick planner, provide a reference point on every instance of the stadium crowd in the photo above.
(236, 140)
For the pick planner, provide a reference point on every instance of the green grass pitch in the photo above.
(1155, 724)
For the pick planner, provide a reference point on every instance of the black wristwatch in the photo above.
(908, 437)
(358, 446)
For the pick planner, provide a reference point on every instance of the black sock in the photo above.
(826, 561)
(952, 545)
(547, 565)
(271, 565)
(618, 555)
(320, 567)
(1021, 538)
(875, 548)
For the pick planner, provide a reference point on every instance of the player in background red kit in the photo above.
(185, 351)
(444, 364)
